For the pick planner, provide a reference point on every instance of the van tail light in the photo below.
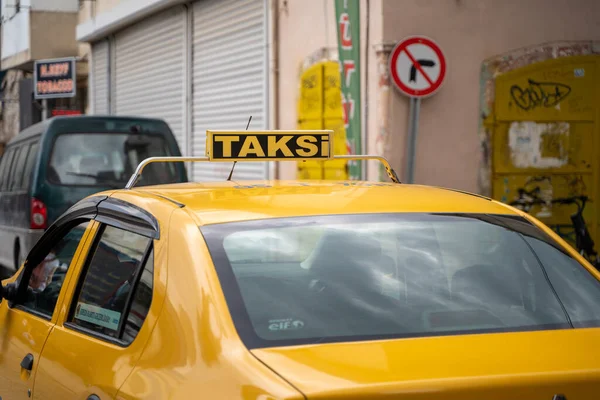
(39, 214)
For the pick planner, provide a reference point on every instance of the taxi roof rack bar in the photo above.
(138, 171)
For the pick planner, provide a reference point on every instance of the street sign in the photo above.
(55, 78)
(417, 66)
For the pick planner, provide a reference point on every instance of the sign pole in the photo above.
(418, 68)
(413, 130)
(44, 109)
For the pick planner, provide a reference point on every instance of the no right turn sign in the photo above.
(417, 66)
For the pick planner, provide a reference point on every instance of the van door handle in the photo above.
(27, 362)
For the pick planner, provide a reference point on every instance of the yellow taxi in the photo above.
(298, 290)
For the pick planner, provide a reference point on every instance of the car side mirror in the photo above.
(8, 291)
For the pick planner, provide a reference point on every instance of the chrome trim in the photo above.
(138, 171)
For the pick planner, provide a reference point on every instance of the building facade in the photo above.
(199, 65)
(36, 30)
(214, 63)
(518, 109)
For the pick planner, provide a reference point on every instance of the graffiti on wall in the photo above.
(498, 65)
(539, 94)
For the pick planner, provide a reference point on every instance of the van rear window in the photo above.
(108, 160)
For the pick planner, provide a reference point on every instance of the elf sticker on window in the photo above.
(98, 316)
(288, 324)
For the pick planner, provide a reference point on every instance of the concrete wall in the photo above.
(15, 33)
(53, 34)
(469, 32)
(448, 149)
(41, 29)
(55, 5)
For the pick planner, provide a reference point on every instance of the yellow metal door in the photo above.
(320, 107)
(546, 136)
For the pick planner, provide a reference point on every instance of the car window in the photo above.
(577, 288)
(108, 160)
(18, 167)
(142, 299)
(29, 164)
(335, 278)
(49, 275)
(13, 171)
(3, 163)
(112, 272)
(5, 172)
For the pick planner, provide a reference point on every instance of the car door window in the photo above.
(3, 162)
(17, 171)
(5, 172)
(13, 170)
(29, 163)
(48, 276)
(142, 298)
(116, 276)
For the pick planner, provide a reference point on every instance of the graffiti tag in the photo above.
(539, 94)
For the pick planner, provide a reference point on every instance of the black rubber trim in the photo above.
(89, 332)
(465, 192)
(129, 217)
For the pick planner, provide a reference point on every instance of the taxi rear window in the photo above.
(337, 278)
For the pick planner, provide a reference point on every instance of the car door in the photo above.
(95, 343)
(27, 319)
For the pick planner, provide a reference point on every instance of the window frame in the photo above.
(103, 209)
(26, 276)
(122, 215)
(69, 323)
(37, 254)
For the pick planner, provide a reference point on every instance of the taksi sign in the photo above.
(269, 145)
(417, 66)
(55, 78)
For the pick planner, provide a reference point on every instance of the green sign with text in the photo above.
(347, 14)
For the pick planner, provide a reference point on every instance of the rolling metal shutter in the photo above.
(150, 70)
(100, 77)
(230, 78)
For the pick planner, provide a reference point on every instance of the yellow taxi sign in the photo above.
(272, 145)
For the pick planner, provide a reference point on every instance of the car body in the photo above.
(51, 165)
(302, 290)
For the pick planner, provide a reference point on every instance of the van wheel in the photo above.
(18, 257)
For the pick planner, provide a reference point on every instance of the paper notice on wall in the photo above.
(539, 145)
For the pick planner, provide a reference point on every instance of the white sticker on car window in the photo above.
(98, 316)
(287, 324)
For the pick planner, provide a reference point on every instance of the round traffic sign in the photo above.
(417, 66)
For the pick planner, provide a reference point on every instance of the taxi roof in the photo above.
(229, 201)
